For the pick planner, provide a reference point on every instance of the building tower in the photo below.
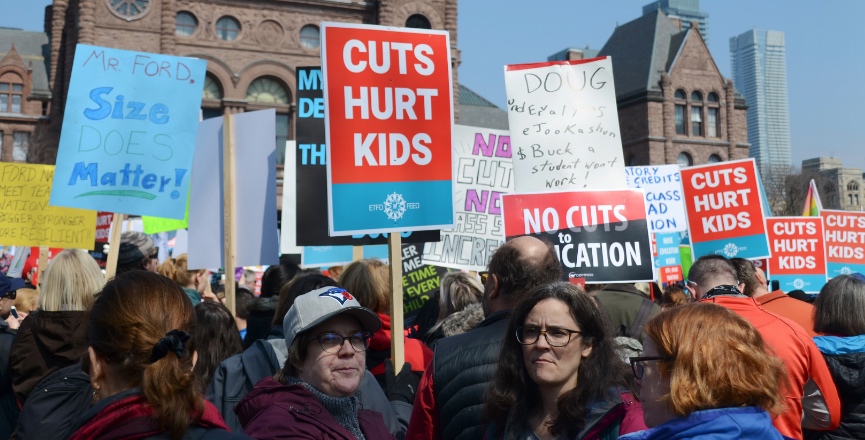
(760, 74)
(686, 11)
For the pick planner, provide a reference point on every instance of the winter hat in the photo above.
(313, 308)
(134, 247)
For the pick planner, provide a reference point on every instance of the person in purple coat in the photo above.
(327, 333)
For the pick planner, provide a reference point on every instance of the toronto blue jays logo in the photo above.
(338, 294)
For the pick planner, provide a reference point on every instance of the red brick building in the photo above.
(674, 104)
(24, 92)
(252, 47)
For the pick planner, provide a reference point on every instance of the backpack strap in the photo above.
(640, 319)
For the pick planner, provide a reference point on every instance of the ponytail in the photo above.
(141, 322)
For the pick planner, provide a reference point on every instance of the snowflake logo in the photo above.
(730, 250)
(798, 283)
(394, 206)
(846, 271)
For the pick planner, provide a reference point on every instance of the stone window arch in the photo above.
(418, 21)
(714, 158)
(680, 110)
(853, 186)
(685, 159)
(11, 93)
(267, 90)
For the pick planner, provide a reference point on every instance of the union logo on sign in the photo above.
(730, 250)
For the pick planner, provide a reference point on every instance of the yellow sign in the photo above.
(27, 220)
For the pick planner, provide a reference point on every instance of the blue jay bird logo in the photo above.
(338, 294)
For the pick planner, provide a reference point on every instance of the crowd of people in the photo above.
(511, 353)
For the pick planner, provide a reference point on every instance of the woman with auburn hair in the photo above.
(706, 373)
(674, 295)
(369, 282)
(839, 316)
(558, 375)
(55, 336)
(195, 283)
(140, 362)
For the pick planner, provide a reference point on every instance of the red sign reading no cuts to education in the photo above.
(599, 235)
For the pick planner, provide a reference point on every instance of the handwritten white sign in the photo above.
(564, 126)
(665, 205)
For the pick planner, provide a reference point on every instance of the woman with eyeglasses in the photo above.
(706, 373)
(327, 333)
(558, 374)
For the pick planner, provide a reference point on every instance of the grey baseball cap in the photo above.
(313, 308)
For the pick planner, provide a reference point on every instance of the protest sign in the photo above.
(667, 245)
(103, 226)
(419, 280)
(671, 274)
(482, 173)
(601, 236)
(564, 125)
(255, 228)
(845, 242)
(725, 211)
(762, 264)
(26, 219)
(128, 132)
(327, 256)
(798, 259)
(305, 205)
(155, 225)
(388, 121)
(665, 209)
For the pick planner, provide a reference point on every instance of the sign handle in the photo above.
(43, 263)
(114, 245)
(397, 339)
(356, 253)
(228, 208)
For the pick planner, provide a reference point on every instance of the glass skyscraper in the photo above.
(684, 10)
(759, 67)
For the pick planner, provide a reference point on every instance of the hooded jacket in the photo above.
(417, 354)
(45, 343)
(458, 323)
(845, 357)
(276, 411)
(748, 422)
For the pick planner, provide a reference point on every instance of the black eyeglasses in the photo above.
(11, 295)
(332, 342)
(555, 336)
(638, 367)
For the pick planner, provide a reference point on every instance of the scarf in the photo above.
(343, 409)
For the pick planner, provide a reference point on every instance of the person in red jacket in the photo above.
(777, 302)
(811, 399)
(369, 281)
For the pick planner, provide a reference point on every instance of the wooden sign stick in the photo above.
(397, 339)
(228, 209)
(114, 245)
(43, 264)
(356, 253)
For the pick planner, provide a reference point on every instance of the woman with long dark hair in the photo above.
(140, 363)
(558, 374)
(217, 339)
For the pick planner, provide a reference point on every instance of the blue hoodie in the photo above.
(748, 422)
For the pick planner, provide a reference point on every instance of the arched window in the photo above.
(684, 160)
(696, 113)
(212, 90)
(11, 93)
(715, 158)
(696, 96)
(267, 91)
(185, 24)
(227, 28)
(418, 21)
(852, 186)
(680, 112)
(310, 37)
(713, 97)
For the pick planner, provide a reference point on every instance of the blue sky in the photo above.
(825, 52)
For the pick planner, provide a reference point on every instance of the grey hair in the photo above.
(458, 290)
(840, 307)
(713, 269)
